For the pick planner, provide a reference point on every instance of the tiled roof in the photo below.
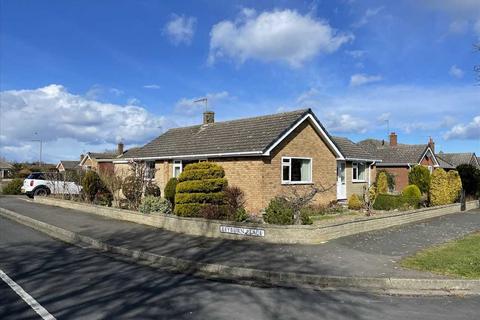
(443, 163)
(351, 150)
(457, 159)
(103, 155)
(236, 136)
(68, 164)
(5, 165)
(399, 154)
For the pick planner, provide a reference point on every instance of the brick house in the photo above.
(99, 161)
(65, 165)
(265, 156)
(398, 159)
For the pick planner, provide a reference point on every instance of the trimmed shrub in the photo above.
(389, 202)
(278, 212)
(132, 190)
(198, 194)
(382, 182)
(13, 187)
(213, 198)
(151, 204)
(91, 184)
(412, 195)
(454, 185)
(439, 188)
(354, 202)
(151, 189)
(470, 176)
(420, 176)
(170, 190)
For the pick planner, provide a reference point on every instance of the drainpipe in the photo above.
(370, 174)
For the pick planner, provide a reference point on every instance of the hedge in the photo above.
(389, 202)
(199, 174)
(278, 212)
(202, 165)
(13, 187)
(207, 185)
(214, 198)
(412, 195)
(194, 209)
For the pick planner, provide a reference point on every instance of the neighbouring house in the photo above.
(5, 167)
(265, 156)
(357, 172)
(456, 159)
(65, 165)
(397, 158)
(100, 161)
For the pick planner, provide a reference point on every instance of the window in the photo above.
(296, 170)
(177, 168)
(150, 170)
(358, 171)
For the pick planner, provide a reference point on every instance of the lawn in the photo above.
(456, 258)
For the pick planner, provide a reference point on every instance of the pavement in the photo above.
(77, 283)
(372, 254)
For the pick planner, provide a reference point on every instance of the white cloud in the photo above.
(361, 79)
(345, 123)
(370, 13)
(467, 131)
(55, 114)
(356, 54)
(151, 86)
(279, 35)
(384, 117)
(180, 29)
(458, 27)
(133, 101)
(456, 72)
(188, 106)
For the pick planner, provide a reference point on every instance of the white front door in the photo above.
(341, 183)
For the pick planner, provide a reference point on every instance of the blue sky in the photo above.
(86, 74)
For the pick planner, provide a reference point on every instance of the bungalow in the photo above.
(456, 159)
(65, 165)
(5, 167)
(397, 159)
(99, 161)
(265, 156)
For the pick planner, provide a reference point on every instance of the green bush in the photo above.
(454, 185)
(439, 188)
(13, 187)
(170, 190)
(382, 182)
(103, 198)
(470, 176)
(151, 189)
(354, 202)
(198, 194)
(412, 195)
(420, 176)
(91, 184)
(389, 202)
(241, 214)
(305, 217)
(207, 185)
(235, 201)
(279, 212)
(151, 204)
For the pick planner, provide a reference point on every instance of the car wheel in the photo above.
(41, 192)
(30, 195)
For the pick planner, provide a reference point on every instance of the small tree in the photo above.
(439, 188)
(382, 182)
(113, 182)
(470, 177)
(91, 184)
(135, 183)
(454, 185)
(420, 176)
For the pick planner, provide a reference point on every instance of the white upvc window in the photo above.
(177, 168)
(296, 170)
(358, 171)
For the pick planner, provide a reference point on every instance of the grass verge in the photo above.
(457, 258)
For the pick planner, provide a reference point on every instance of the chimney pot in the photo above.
(208, 117)
(393, 139)
(120, 148)
(431, 144)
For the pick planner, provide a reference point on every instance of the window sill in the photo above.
(359, 181)
(296, 182)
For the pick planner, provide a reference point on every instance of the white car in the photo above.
(45, 183)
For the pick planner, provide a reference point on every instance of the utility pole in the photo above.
(41, 147)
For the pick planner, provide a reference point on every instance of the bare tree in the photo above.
(113, 180)
(299, 197)
(133, 187)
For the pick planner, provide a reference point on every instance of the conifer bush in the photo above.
(439, 188)
(455, 185)
(412, 195)
(354, 202)
(420, 176)
(169, 191)
(382, 182)
(201, 185)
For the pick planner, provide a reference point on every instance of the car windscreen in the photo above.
(36, 176)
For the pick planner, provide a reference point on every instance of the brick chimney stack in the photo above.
(120, 148)
(393, 139)
(431, 144)
(208, 117)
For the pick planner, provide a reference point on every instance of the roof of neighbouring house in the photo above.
(353, 151)
(68, 164)
(103, 155)
(5, 165)
(236, 137)
(401, 154)
(443, 163)
(457, 159)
